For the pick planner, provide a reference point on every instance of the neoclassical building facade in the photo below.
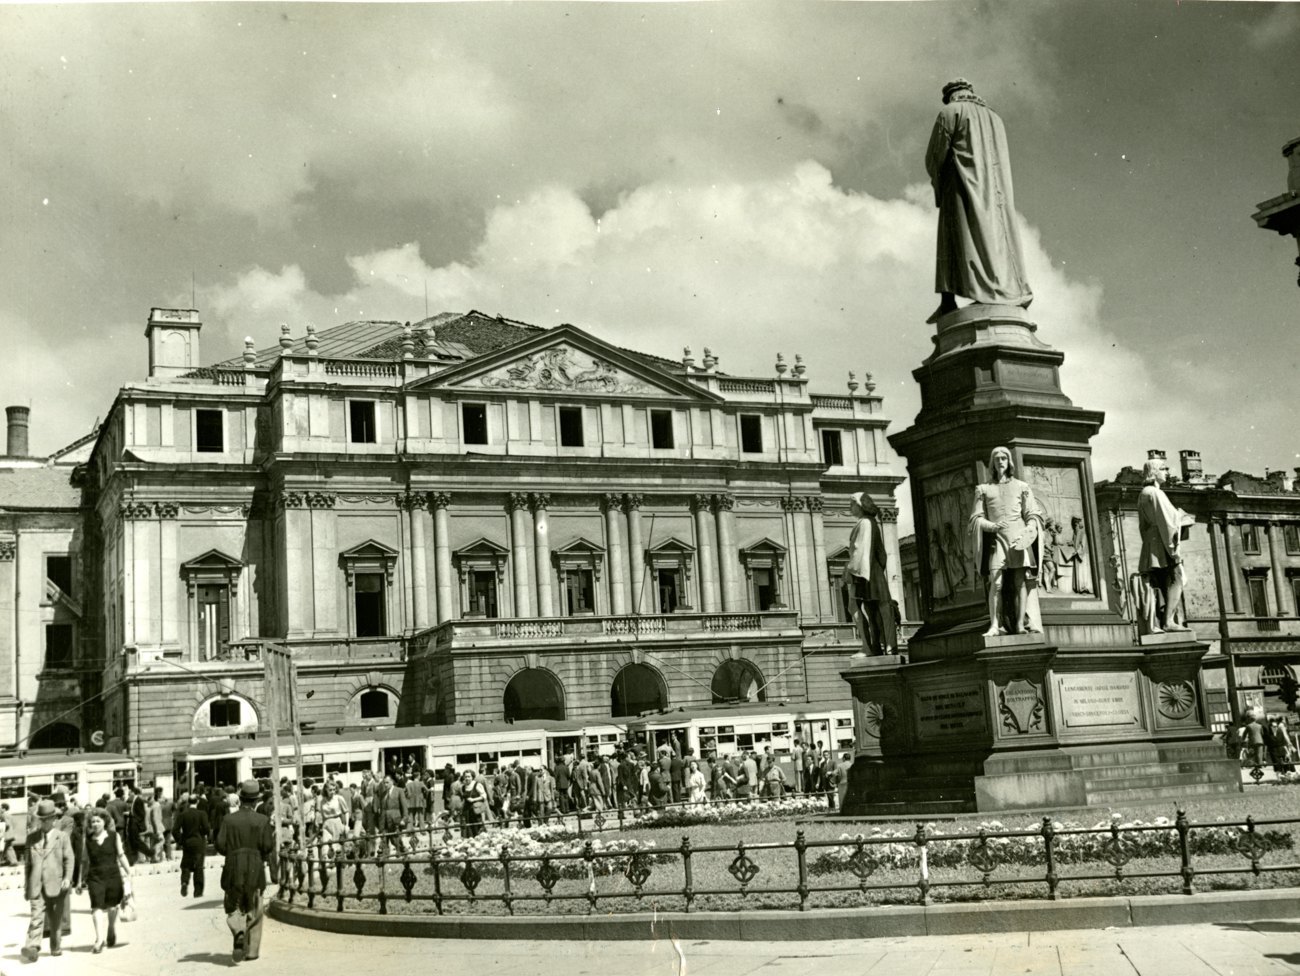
(468, 519)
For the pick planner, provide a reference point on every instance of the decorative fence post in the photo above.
(437, 882)
(589, 856)
(923, 882)
(801, 854)
(1049, 852)
(506, 897)
(1185, 851)
(689, 890)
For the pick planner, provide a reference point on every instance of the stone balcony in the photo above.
(589, 628)
(247, 654)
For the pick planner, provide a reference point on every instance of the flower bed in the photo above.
(723, 813)
(942, 851)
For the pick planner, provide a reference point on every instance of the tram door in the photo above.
(561, 745)
(399, 759)
(678, 738)
(214, 772)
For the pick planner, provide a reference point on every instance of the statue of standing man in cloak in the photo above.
(979, 255)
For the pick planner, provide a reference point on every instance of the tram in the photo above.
(750, 727)
(350, 752)
(84, 776)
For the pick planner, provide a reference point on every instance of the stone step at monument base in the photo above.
(907, 809)
(1174, 794)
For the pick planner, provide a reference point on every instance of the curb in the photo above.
(818, 924)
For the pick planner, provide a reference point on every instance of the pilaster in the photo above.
(706, 552)
(613, 504)
(635, 550)
(417, 508)
(443, 577)
(727, 554)
(519, 533)
(542, 551)
(816, 505)
(324, 553)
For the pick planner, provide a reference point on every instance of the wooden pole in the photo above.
(297, 750)
(271, 693)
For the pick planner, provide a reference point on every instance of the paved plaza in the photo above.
(184, 937)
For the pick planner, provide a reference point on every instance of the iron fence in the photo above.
(786, 874)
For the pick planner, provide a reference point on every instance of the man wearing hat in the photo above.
(248, 842)
(50, 865)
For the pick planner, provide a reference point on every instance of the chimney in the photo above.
(16, 445)
(1190, 462)
(1155, 454)
(1278, 479)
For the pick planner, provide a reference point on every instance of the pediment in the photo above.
(482, 548)
(213, 559)
(565, 362)
(765, 547)
(841, 553)
(370, 549)
(671, 546)
(580, 547)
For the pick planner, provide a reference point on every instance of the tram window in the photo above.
(745, 741)
(532, 753)
(708, 730)
(726, 729)
(261, 772)
(314, 771)
(66, 782)
(13, 788)
(708, 743)
(39, 789)
(780, 728)
(845, 744)
(466, 758)
(358, 766)
(336, 767)
(844, 723)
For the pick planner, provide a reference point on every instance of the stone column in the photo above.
(826, 603)
(416, 506)
(8, 618)
(801, 555)
(519, 552)
(443, 579)
(635, 550)
(324, 556)
(1234, 575)
(293, 564)
(169, 578)
(542, 552)
(1280, 590)
(703, 506)
(728, 571)
(613, 504)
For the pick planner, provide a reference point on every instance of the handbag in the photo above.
(127, 911)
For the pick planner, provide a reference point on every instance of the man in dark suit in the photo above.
(50, 863)
(248, 842)
(192, 832)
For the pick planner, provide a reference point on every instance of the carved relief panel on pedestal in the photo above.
(954, 577)
(1067, 550)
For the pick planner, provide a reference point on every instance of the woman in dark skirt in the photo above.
(105, 874)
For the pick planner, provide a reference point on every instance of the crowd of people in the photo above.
(1259, 739)
(94, 849)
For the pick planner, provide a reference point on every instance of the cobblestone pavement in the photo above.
(183, 937)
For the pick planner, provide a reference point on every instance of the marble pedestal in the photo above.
(1079, 715)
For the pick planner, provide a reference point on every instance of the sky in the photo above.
(747, 177)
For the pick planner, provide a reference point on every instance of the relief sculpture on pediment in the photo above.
(563, 369)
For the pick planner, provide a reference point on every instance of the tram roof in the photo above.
(400, 733)
(677, 716)
(61, 757)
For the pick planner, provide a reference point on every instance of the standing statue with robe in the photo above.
(979, 255)
(866, 579)
(1160, 562)
(1006, 527)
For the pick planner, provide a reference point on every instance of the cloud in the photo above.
(1278, 25)
(789, 264)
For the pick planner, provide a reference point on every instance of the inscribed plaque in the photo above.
(950, 711)
(1089, 700)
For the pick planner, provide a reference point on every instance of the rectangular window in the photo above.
(58, 570)
(571, 426)
(764, 589)
(1291, 538)
(214, 620)
(1257, 583)
(369, 604)
(474, 420)
(832, 449)
(483, 593)
(209, 437)
(661, 429)
(669, 581)
(1295, 594)
(579, 594)
(1249, 537)
(361, 422)
(751, 433)
(224, 713)
(58, 646)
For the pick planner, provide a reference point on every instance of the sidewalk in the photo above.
(184, 937)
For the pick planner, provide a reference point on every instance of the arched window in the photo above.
(738, 681)
(375, 704)
(637, 688)
(533, 693)
(57, 735)
(224, 714)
